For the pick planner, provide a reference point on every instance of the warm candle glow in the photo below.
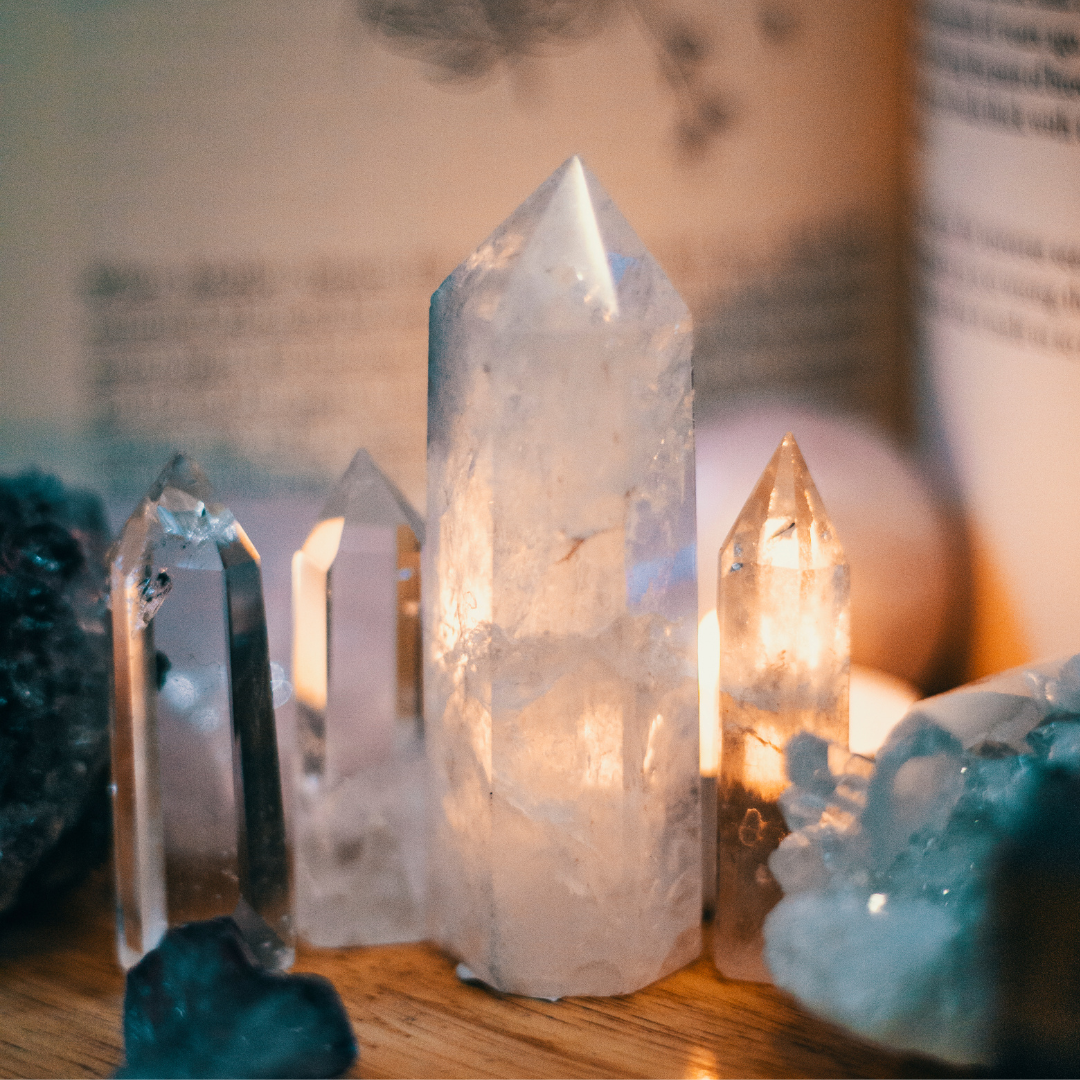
(309, 568)
(602, 739)
(878, 701)
(701, 1064)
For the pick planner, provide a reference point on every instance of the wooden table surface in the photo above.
(61, 993)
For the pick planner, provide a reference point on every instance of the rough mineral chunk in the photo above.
(54, 656)
(198, 1005)
(1037, 935)
(889, 872)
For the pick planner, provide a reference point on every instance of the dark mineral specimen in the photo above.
(1035, 931)
(54, 655)
(198, 1005)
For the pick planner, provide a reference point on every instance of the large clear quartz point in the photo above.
(360, 808)
(560, 605)
(782, 605)
(198, 823)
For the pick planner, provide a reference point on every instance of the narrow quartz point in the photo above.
(198, 825)
(560, 606)
(356, 669)
(782, 604)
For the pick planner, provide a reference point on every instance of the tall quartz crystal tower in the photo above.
(782, 604)
(356, 669)
(560, 605)
(198, 824)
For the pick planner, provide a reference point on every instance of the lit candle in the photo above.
(878, 703)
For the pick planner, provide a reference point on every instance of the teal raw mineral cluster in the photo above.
(199, 1004)
(890, 921)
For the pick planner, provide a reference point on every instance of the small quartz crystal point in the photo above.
(198, 824)
(360, 808)
(782, 605)
(559, 570)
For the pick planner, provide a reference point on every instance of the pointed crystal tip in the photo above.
(784, 522)
(365, 495)
(565, 253)
(567, 244)
(180, 502)
(184, 474)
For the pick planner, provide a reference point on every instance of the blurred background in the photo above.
(221, 222)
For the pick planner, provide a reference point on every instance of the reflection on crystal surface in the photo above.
(561, 613)
(197, 811)
(356, 664)
(782, 605)
(890, 867)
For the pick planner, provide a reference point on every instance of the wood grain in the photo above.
(61, 994)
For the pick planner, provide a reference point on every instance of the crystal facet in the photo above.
(561, 605)
(198, 823)
(360, 804)
(782, 605)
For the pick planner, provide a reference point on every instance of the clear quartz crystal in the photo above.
(198, 824)
(360, 807)
(561, 607)
(782, 604)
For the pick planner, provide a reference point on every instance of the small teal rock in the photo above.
(198, 1006)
